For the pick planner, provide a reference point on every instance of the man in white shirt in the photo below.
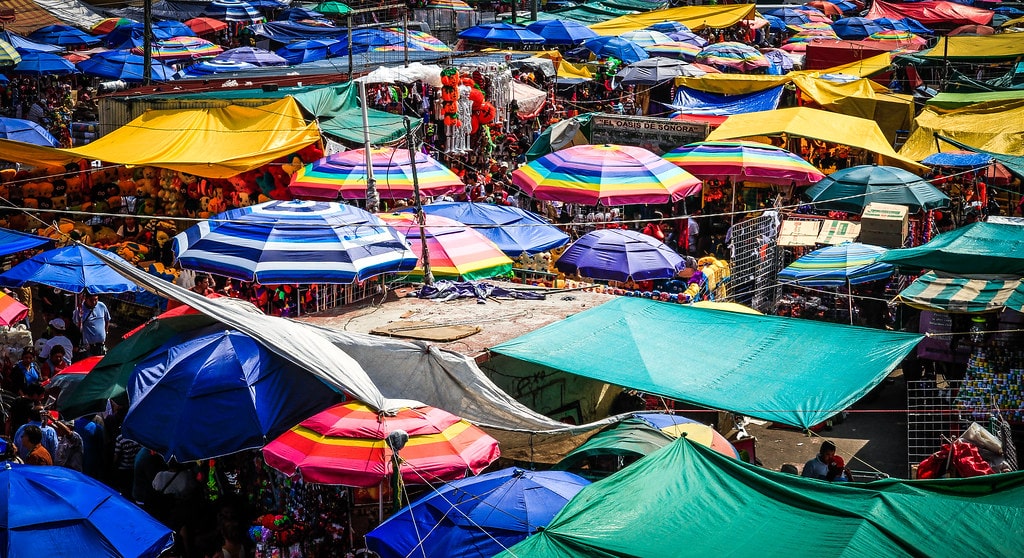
(59, 338)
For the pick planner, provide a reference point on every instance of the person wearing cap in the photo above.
(59, 327)
(827, 465)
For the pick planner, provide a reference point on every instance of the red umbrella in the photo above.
(973, 30)
(11, 311)
(181, 310)
(205, 25)
(827, 8)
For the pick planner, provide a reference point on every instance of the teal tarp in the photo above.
(686, 500)
(336, 109)
(787, 370)
(977, 249)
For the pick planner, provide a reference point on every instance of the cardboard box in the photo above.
(837, 232)
(884, 224)
(799, 233)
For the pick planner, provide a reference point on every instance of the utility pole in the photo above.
(533, 9)
(372, 199)
(350, 60)
(421, 218)
(405, 32)
(147, 43)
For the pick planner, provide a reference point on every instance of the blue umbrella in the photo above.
(172, 28)
(855, 28)
(501, 33)
(614, 47)
(267, 4)
(24, 45)
(252, 55)
(514, 230)
(790, 16)
(72, 268)
(668, 27)
(620, 255)
(775, 23)
(298, 14)
(845, 7)
(214, 392)
(295, 242)
(903, 24)
(72, 514)
(232, 11)
(63, 35)
(12, 242)
(43, 63)
(209, 67)
(692, 38)
(123, 65)
(305, 51)
(850, 263)
(562, 31)
(476, 516)
(27, 131)
(132, 36)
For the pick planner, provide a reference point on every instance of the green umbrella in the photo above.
(853, 188)
(629, 440)
(333, 8)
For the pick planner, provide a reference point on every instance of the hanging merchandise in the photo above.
(450, 82)
(459, 135)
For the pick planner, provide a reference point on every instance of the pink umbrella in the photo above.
(11, 311)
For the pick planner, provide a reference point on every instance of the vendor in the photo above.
(827, 465)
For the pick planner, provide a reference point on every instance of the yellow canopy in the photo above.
(1002, 45)
(862, 98)
(993, 126)
(816, 124)
(211, 142)
(694, 17)
(568, 70)
(739, 84)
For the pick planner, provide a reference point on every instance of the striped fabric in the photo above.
(455, 249)
(456, 5)
(294, 242)
(233, 10)
(835, 266)
(943, 292)
(345, 174)
(9, 55)
(346, 445)
(730, 54)
(605, 174)
(744, 160)
(11, 311)
(674, 49)
(182, 48)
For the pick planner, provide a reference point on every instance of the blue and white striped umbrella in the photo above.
(835, 266)
(233, 10)
(295, 242)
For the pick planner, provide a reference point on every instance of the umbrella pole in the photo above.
(849, 298)
(380, 501)
(372, 199)
(428, 277)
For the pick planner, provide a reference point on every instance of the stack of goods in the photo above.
(84, 132)
(994, 379)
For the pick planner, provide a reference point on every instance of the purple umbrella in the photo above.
(620, 255)
(689, 38)
(251, 55)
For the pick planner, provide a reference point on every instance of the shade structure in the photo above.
(855, 27)
(107, 25)
(216, 392)
(454, 5)
(850, 263)
(333, 8)
(964, 294)
(674, 49)
(205, 25)
(476, 516)
(515, 231)
(63, 35)
(123, 65)
(730, 54)
(43, 63)
(678, 426)
(12, 242)
(11, 311)
(232, 10)
(620, 255)
(26, 131)
(606, 174)
(74, 514)
(668, 27)
(344, 174)
(652, 71)
(455, 249)
(72, 269)
(978, 248)
(623, 442)
(294, 242)
(172, 28)
(305, 51)
(561, 31)
(501, 33)
(252, 55)
(744, 160)
(345, 445)
(689, 37)
(853, 188)
(183, 48)
(9, 56)
(645, 37)
(614, 47)
(790, 15)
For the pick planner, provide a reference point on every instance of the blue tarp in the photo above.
(957, 160)
(12, 242)
(787, 370)
(691, 101)
(292, 31)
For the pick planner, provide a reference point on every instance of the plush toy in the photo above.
(450, 81)
(104, 236)
(310, 153)
(217, 203)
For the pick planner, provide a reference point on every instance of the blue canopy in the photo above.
(855, 28)
(305, 51)
(71, 268)
(561, 31)
(71, 514)
(299, 13)
(123, 65)
(514, 230)
(63, 35)
(692, 101)
(614, 47)
(216, 391)
(476, 516)
(501, 33)
(770, 367)
(27, 131)
(24, 45)
(12, 242)
(43, 63)
(969, 160)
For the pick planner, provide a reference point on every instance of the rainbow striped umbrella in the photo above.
(344, 174)
(674, 49)
(346, 445)
(418, 40)
(811, 35)
(744, 160)
(456, 5)
(107, 25)
(605, 174)
(177, 48)
(11, 311)
(456, 250)
(835, 266)
(897, 38)
(645, 37)
(731, 54)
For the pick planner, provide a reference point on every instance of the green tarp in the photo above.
(1013, 163)
(568, 132)
(792, 371)
(950, 101)
(686, 500)
(336, 110)
(977, 249)
(940, 292)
